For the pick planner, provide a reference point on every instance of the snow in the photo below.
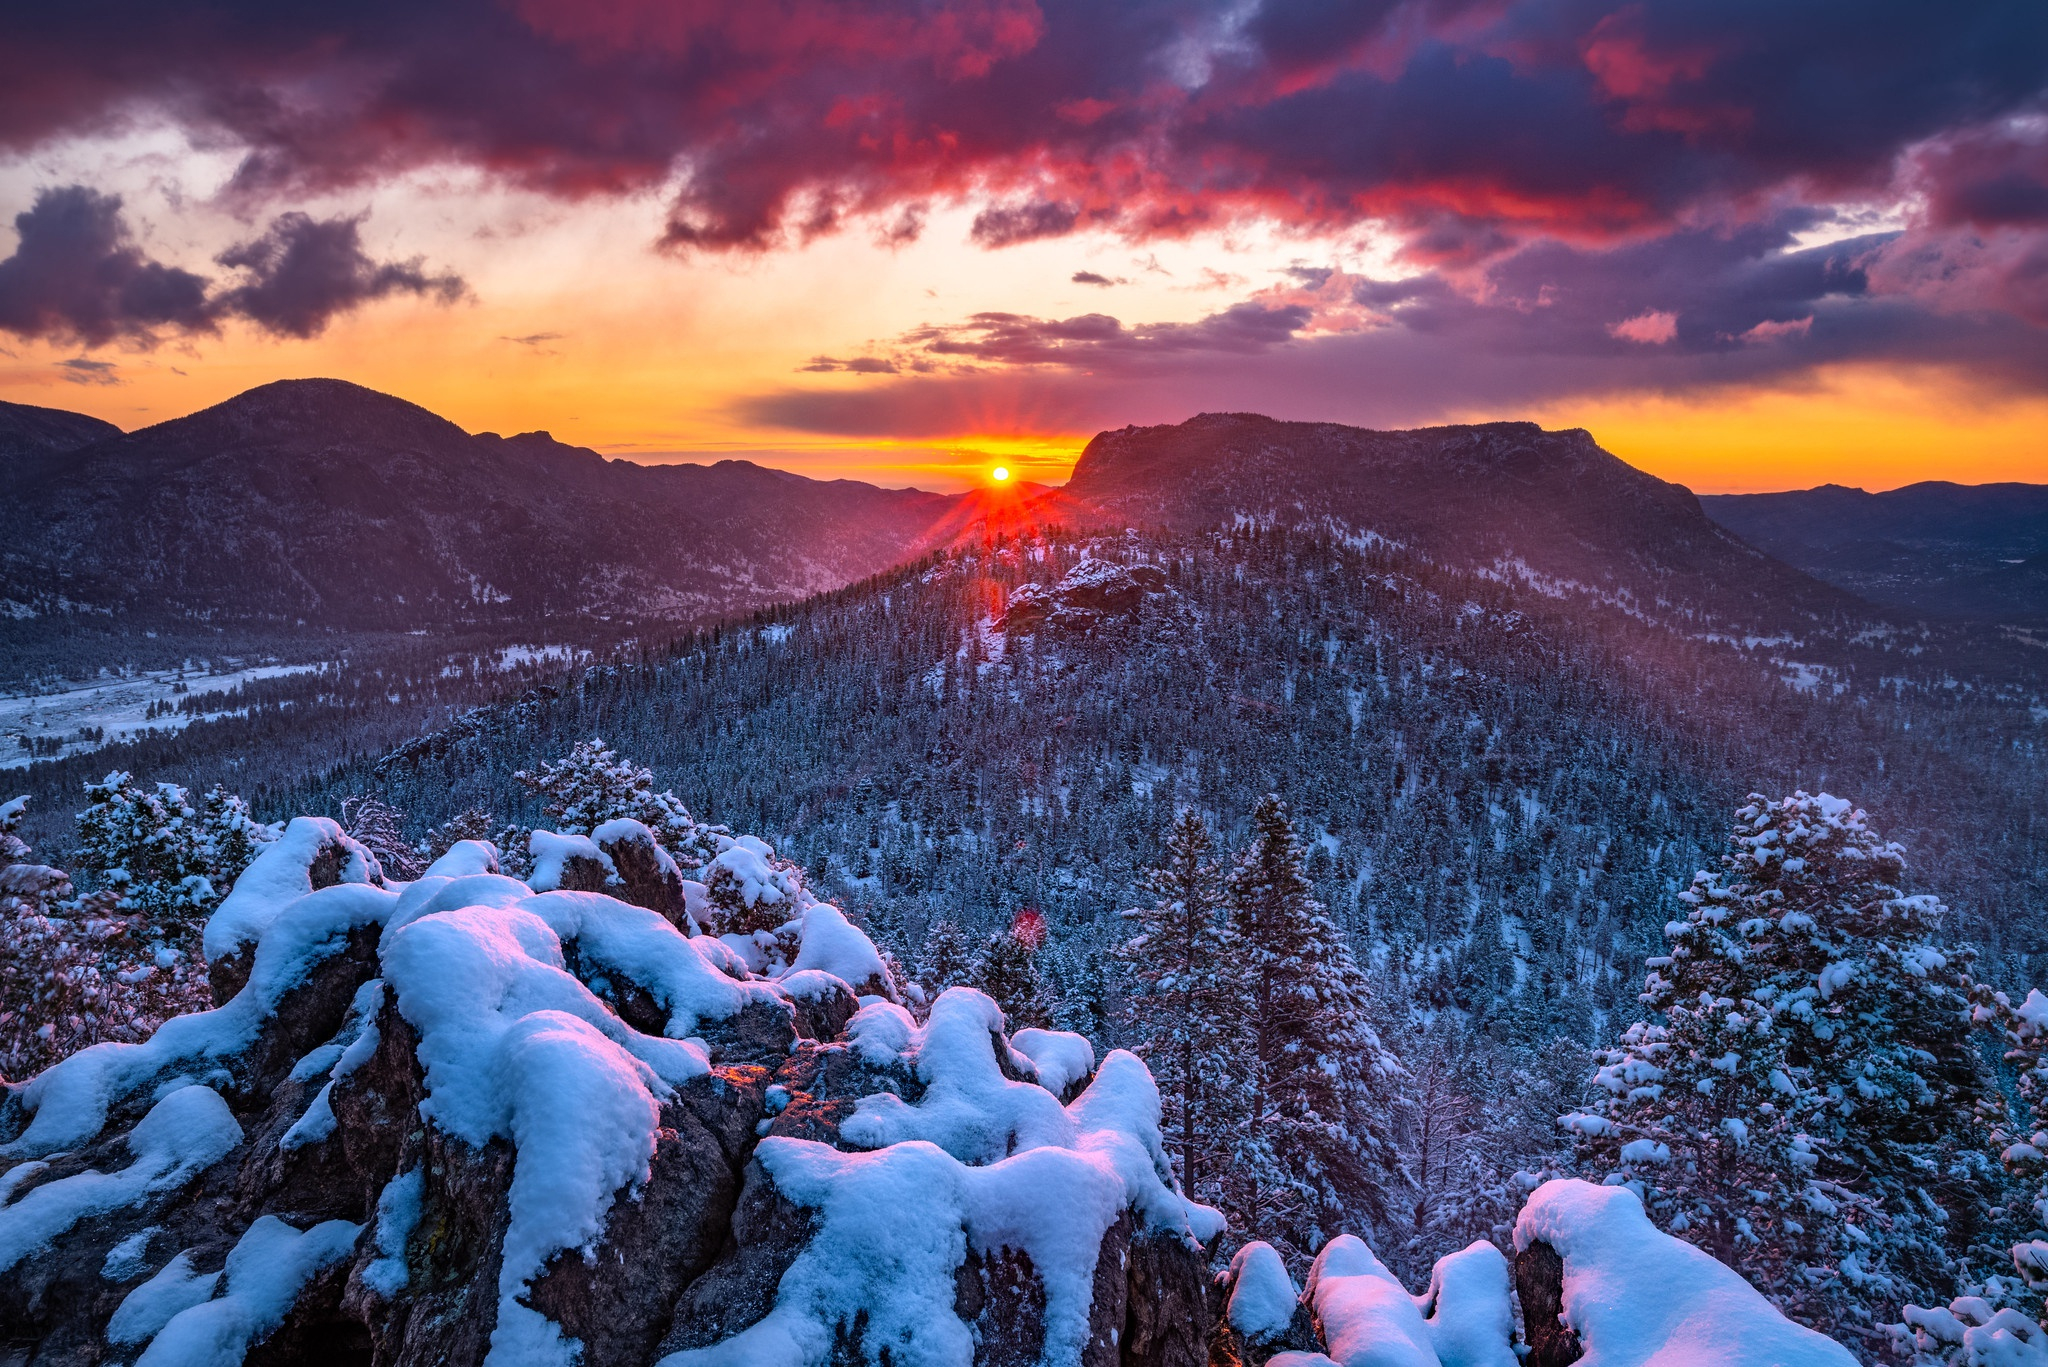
(759, 881)
(642, 945)
(515, 1047)
(188, 1130)
(807, 984)
(398, 1212)
(1367, 1317)
(969, 1108)
(551, 854)
(70, 1100)
(894, 1225)
(1262, 1295)
(835, 945)
(264, 1274)
(1471, 1321)
(130, 1256)
(1061, 1057)
(1635, 1295)
(281, 873)
(118, 707)
(152, 1305)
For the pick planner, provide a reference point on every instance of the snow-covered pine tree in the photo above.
(380, 828)
(1317, 1152)
(946, 959)
(1812, 1087)
(1446, 1128)
(471, 823)
(78, 970)
(158, 854)
(1186, 1005)
(2001, 1319)
(1881, 1018)
(1701, 1112)
(1008, 972)
(592, 785)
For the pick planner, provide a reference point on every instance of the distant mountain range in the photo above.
(1952, 550)
(324, 504)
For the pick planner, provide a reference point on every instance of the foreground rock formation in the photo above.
(477, 1120)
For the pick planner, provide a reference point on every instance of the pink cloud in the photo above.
(1651, 329)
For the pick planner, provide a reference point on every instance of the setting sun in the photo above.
(1000, 473)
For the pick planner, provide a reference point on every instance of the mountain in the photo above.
(1507, 498)
(321, 502)
(30, 437)
(1953, 550)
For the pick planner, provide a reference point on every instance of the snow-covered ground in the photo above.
(111, 709)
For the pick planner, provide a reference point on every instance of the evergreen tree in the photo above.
(1009, 972)
(947, 960)
(592, 785)
(78, 970)
(1186, 1004)
(380, 828)
(1316, 1152)
(158, 854)
(472, 823)
(1812, 1088)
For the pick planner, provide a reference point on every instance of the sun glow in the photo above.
(1000, 473)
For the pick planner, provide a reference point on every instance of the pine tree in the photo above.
(158, 854)
(471, 823)
(1813, 1082)
(593, 785)
(1187, 1003)
(946, 959)
(1317, 1151)
(1008, 972)
(380, 828)
(78, 970)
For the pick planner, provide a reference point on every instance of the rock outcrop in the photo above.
(464, 1121)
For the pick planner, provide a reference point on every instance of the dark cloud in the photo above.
(858, 365)
(1091, 278)
(1502, 139)
(1475, 124)
(305, 271)
(1099, 341)
(535, 339)
(86, 370)
(76, 274)
(1686, 312)
(1007, 225)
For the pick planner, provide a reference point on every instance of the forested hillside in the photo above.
(1506, 788)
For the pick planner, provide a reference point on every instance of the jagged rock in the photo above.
(617, 1301)
(646, 876)
(1539, 1284)
(767, 1233)
(1173, 1304)
(1090, 593)
(369, 1076)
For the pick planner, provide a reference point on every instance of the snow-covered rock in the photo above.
(1630, 1294)
(467, 1120)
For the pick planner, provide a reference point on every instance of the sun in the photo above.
(1000, 473)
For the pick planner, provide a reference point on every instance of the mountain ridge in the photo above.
(322, 502)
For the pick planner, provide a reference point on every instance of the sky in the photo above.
(1749, 244)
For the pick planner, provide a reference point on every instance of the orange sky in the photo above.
(576, 326)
